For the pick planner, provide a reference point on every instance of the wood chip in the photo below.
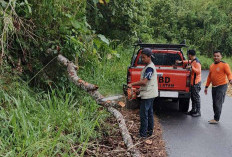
(121, 103)
(148, 142)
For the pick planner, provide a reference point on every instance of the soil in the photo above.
(112, 145)
(229, 90)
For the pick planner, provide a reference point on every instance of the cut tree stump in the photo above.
(100, 99)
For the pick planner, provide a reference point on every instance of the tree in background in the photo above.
(92, 29)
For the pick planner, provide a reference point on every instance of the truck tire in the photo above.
(157, 105)
(132, 104)
(184, 104)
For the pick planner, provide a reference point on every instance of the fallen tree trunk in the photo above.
(93, 91)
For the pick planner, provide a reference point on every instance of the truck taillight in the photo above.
(128, 77)
(188, 81)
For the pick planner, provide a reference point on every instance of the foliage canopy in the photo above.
(88, 30)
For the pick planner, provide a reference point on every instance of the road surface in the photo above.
(188, 136)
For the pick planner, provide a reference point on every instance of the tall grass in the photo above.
(111, 73)
(57, 123)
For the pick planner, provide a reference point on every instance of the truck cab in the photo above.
(173, 79)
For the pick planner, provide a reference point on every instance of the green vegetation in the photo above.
(41, 112)
(46, 124)
(111, 74)
(205, 24)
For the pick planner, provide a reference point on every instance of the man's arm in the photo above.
(207, 83)
(147, 76)
(196, 68)
(142, 82)
(185, 62)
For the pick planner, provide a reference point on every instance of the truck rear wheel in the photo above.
(132, 104)
(184, 104)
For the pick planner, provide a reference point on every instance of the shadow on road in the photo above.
(168, 110)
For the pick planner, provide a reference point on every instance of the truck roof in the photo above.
(162, 46)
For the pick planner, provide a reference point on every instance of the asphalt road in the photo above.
(188, 136)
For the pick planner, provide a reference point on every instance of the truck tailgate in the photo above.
(168, 78)
(173, 79)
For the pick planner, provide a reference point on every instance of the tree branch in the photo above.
(93, 91)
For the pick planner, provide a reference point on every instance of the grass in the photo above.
(57, 123)
(60, 122)
(205, 62)
(110, 74)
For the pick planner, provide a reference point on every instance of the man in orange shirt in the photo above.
(195, 88)
(218, 72)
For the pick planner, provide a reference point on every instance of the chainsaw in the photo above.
(131, 93)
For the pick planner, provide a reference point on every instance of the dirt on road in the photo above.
(112, 145)
(229, 90)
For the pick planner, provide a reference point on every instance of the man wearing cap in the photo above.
(148, 91)
(195, 88)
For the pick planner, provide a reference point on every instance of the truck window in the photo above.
(166, 59)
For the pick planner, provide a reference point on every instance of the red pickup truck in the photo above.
(173, 79)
